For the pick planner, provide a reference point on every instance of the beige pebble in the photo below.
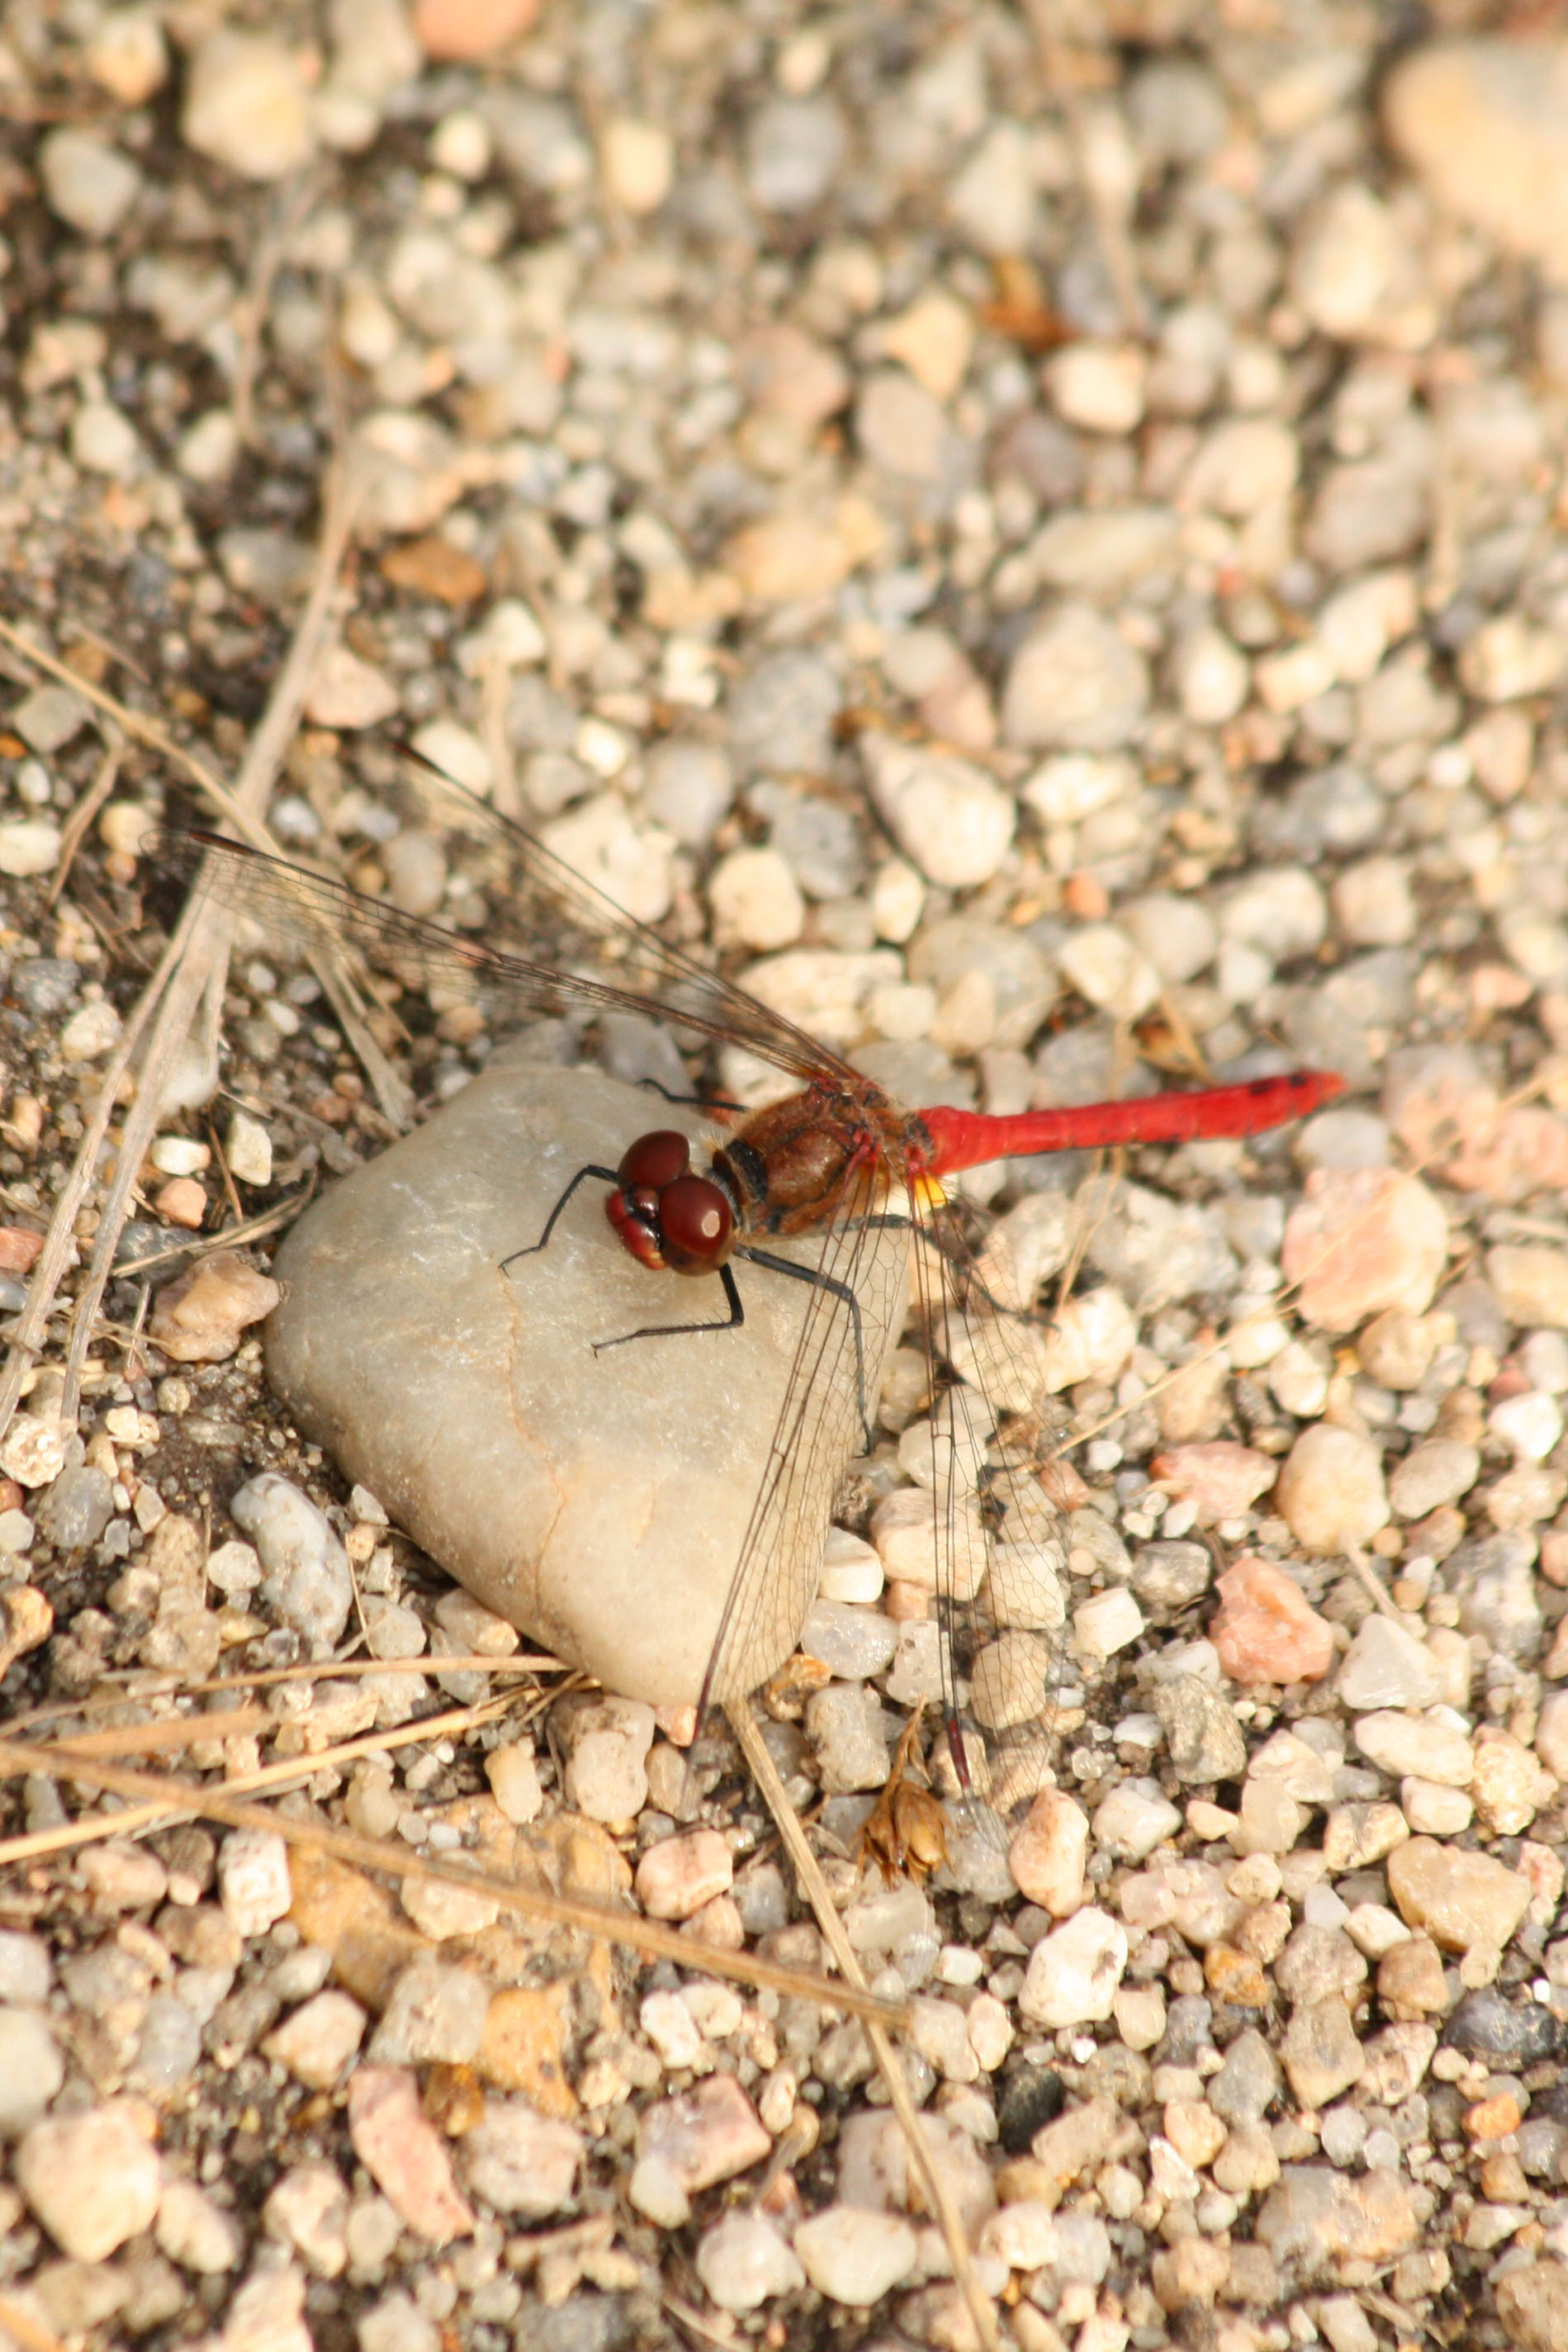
(1047, 1853)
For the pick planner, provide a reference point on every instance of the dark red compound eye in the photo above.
(654, 1161)
(696, 1222)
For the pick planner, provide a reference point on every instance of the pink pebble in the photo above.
(1266, 1630)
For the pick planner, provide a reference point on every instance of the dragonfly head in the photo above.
(666, 1214)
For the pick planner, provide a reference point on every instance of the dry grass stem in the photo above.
(195, 953)
(743, 1719)
(382, 1855)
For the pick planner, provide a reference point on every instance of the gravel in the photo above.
(1058, 595)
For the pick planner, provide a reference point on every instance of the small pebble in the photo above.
(793, 150)
(853, 2256)
(1461, 1900)
(756, 900)
(253, 1880)
(1266, 1631)
(1432, 1475)
(1134, 1819)
(1074, 684)
(28, 845)
(306, 1576)
(708, 2135)
(744, 2263)
(604, 1746)
(316, 2043)
(440, 1909)
(194, 2231)
(1385, 1667)
(1532, 1284)
(1073, 1972)
(246, 105)
(1364, 1240)
(396, 2323)
(513, 1773)
(127, 55)
(1204, 1739)
(346, 691)
(852, 1572)
(201, 1316)
(1400, 1743)
(1218, 1477)
(679, 1875)
(1212, 677)
(1047, 1853)
(1331, 1490)
(1107, 1621)
(103, 441)
(459, 31)
(638, 160)
(405, 2155)
(520, 2162)
(1105, 968)
(92, 2177)
(1434, 1808)
(844, 1725)
(953, 823)
(89, 184)
(434, 2014)
(249, 1149)
(31, 2070)
(1098, 386)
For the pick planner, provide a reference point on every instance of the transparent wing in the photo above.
(977, 1527)
(982, 1457)
(818, 1433)
(555, 944)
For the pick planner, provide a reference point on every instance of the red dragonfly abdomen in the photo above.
(962, 1139)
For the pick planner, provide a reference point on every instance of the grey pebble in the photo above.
(1206, 1742)
(47, 720)
(1344, 1139)
(306, 1576)
(688, 787)
(943, 953)
(854, 1643)
(1156, 1250)
(1495, 1580)
(270, 565)
(74, 1511)
(45, 986)
(844, 1725)
(1189, 2029)
(793, 149)
(434, 2013)
(1074, 684)
(1170, 1574)
(781, 714)
(1486, 2025)
(168, 2049)
(1247, 2082)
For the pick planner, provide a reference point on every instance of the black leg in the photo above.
(821, 1281)
(695, 1102)
(674, 1330)
(605, 1175)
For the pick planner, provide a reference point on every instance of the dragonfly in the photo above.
(830, 1158)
